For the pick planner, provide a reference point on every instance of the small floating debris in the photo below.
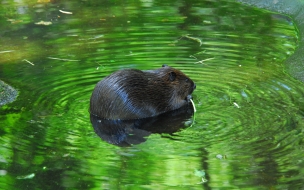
(3, 172)
(30, 176)
(65, 12)
(220, 157)
(14, 21)
(203, 181)
(62, 59)
(28, 62)
(8, 51)
(45, 23)
(202, 61)
(192, 38)
(236, 105)
(202, 174)
(199, 173)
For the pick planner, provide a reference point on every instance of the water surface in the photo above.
(248, 129)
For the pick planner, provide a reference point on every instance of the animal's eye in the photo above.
(172, 76)
(187, 80)
(164, 65)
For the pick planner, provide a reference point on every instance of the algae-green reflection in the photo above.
(249, 109)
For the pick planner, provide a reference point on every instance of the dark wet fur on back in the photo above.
(134, 94)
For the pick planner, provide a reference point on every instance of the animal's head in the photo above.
(178, 84)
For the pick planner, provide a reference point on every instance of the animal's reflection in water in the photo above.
(128, 132)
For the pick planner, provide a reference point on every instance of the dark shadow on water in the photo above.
(129, 132)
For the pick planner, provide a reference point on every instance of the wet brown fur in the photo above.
(134, 94)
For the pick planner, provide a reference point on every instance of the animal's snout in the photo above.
(191, 89)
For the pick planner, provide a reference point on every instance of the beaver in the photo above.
(135, 94)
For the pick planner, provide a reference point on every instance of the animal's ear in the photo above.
(164, 65)
(172, 76)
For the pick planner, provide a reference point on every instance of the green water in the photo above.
(248, 128)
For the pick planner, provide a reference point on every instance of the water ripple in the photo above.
(248, 108)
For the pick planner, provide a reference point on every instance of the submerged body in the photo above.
(135, 94)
